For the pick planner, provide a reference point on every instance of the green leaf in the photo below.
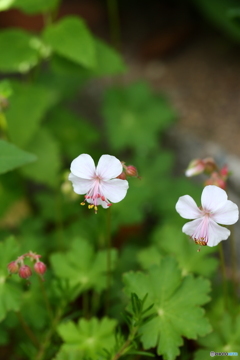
(17, 54)
(224, 338)
(89, 337)
(135, 117)
(109, 62)
(177, 303)
(29, 104)
(149, 256)
(5, 4)
(71, 38)
(8, 252)
(36, 6)
(82, 266)
(10, 294)
(68, 136)
(10, 298)
(5, 89)
(170, 240)
(217, 11)
(69, 354)
(141, 198)
(46, 169)
(12, 157)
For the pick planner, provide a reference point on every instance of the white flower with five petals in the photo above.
(99, 183)
(216, 208)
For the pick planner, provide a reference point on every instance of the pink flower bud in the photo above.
(224, 172)
(210, 165)
(13, 267)
(217, 180)
(198, 166)
(25, 271)
(131, 171)
(195, 167)
(40, 267)
(122, 176)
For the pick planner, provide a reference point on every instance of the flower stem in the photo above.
(233, 262)
(224, 276)
(27, 330)
(108, 245)
(47, 341)
(85, 298)
(127, 343)
(45, 297)
(114, 22)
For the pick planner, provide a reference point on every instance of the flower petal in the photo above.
(227, 214)
(213, 197)
(108, 167)
(191, 227)
(83, 166)
(114, 190)
(216, 233)
(187, 208)
(99, 201)
(80, 186)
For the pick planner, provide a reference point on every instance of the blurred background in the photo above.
(155, 83)
(188, 49)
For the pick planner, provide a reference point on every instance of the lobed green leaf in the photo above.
(71, 39)
(17, 53)
(11, 157)
(177, 303)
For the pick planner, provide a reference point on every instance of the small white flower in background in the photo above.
(99, 182)
(216, 208)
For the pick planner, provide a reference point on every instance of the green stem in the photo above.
(86, 304)
(108, 245)
(27, 330)
(127, 343)
(59, 221)
(233, 261)
(47, 341)
(45, 297)
(114, 23)
(224, 276)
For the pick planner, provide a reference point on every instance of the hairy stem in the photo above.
(224, 276)
(114, 22)
(28, 330)
(127, 343)
(47, 340)
(108, 245)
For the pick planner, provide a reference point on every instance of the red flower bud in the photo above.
(224, 172)
(122, 176)
(13, 267)
(217, 180)
(40, 267)
(131, 171)
(25, 271)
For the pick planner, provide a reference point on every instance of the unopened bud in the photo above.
(25, 271)
(40, 267)
(122, 176)
(210, 165)
(13, 267)
(224, 172)
(195, 167)
(217, 180)
(198, 166)
(131, 171)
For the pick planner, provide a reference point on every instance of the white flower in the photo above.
(98, 183)
(216, 208)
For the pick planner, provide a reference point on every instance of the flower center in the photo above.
(200, 235)
(95, 195)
